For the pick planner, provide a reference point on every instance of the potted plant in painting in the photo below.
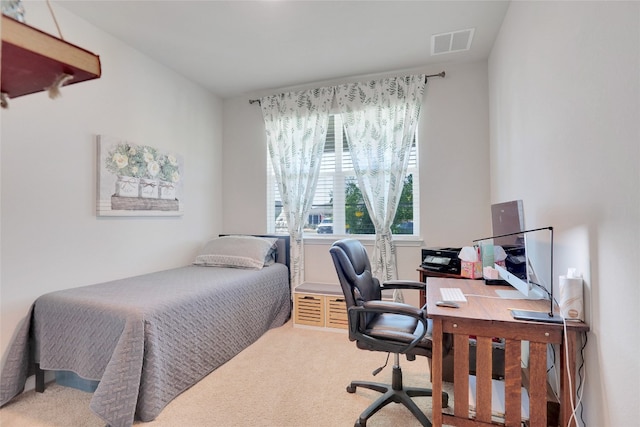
(142, 171)
(124, 161)
(169, 176)
(149, 188)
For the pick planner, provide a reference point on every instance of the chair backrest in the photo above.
(354, 272)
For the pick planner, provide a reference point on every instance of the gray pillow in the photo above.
(238, 252)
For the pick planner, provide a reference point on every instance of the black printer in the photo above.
(441, 260)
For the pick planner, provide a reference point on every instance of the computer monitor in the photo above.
(537, 251)
(507, 218)
(515, 270)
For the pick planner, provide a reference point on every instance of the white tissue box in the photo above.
(471, 270)
(490, 273)
(571, 298)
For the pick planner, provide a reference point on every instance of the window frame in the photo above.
(340, 177)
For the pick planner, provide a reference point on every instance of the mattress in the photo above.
(147, 338)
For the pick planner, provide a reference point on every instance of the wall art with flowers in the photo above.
(138, 180)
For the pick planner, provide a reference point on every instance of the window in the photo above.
(338, 206)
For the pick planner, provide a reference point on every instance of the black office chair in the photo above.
(385, 326)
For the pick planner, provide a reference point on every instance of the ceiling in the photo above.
(238, 47)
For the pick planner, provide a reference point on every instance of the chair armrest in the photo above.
(404, 284)
(357, 314)
(377, 306)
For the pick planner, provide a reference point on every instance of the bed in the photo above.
(148, 338)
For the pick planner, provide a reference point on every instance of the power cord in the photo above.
(581, 376)
(581, 383)
(582, 380)
(543, 288)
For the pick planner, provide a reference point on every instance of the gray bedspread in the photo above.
(147, 338)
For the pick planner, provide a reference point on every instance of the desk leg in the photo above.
(436, 374)
(567, 367)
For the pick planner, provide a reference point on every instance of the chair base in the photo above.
(395, 393)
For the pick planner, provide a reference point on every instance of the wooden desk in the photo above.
(487, 318)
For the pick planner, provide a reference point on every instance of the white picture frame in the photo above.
(137, 179)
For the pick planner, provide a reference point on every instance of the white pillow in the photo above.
(238, 252)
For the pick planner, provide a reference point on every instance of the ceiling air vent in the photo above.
(455, 41)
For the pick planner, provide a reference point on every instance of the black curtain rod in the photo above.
(440, 74)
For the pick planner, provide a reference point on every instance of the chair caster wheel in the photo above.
(360, 423)
(351, 389)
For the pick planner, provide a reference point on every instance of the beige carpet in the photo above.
(289, 377)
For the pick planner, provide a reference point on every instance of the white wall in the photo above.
(51, 237)
(565, 94)
(454, 178)
(564, 102)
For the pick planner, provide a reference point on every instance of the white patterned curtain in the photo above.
(296, 128)
(380, 119)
